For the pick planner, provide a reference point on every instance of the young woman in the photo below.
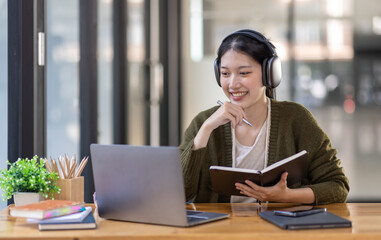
(248, 70)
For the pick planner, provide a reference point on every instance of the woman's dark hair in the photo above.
(249, 46)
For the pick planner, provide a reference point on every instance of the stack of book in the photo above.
(56, 215)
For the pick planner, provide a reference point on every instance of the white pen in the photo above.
(244, 120)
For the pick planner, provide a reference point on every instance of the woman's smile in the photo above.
(238, 94)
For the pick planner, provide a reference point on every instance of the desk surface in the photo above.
(244, 223)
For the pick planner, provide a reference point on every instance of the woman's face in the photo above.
(241, 79)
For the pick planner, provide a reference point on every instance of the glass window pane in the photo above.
(62, 39)
(3, 88)
(339, 82)
(136, 52)
(105, 58)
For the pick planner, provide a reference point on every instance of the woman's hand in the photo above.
(277, 193)
(228, 112)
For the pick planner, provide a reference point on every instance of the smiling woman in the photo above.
(248, 69)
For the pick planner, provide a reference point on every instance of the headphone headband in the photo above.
(256, 36)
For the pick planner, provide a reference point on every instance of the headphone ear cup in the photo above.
(217, 71)
(274, 72)
(265, 77)
(271, 72)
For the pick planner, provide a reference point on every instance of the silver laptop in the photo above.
(143, 184)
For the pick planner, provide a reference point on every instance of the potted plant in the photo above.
(28, 177)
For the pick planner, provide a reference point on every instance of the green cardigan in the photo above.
(293, 129)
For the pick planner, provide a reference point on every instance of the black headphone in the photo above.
(271, 67)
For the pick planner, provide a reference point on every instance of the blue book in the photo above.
(74, 217)
(87, 223)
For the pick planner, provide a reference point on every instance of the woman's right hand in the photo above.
(227, 112)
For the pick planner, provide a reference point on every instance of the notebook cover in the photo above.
(74, 217)
(314, 221)
(47, 209)
(87, 223)
(297, 170)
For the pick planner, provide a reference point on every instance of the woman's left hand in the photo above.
(276, 193)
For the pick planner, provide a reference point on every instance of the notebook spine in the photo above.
(261, 178)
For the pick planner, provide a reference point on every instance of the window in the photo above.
(136, 51)
(62, 84)
(105, 60)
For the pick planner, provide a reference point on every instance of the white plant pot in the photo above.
(23, 198)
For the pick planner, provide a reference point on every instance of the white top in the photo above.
(252, 157)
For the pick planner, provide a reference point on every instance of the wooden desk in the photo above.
(244, 223)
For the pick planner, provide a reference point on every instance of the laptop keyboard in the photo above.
(194, 216)
(192, 213)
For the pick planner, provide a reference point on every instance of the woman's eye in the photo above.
(244, 73)
(225, 74)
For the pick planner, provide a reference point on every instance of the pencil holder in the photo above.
(71, 189)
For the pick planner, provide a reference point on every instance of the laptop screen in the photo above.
(139, 183)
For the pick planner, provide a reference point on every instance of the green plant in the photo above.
(26, 175)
